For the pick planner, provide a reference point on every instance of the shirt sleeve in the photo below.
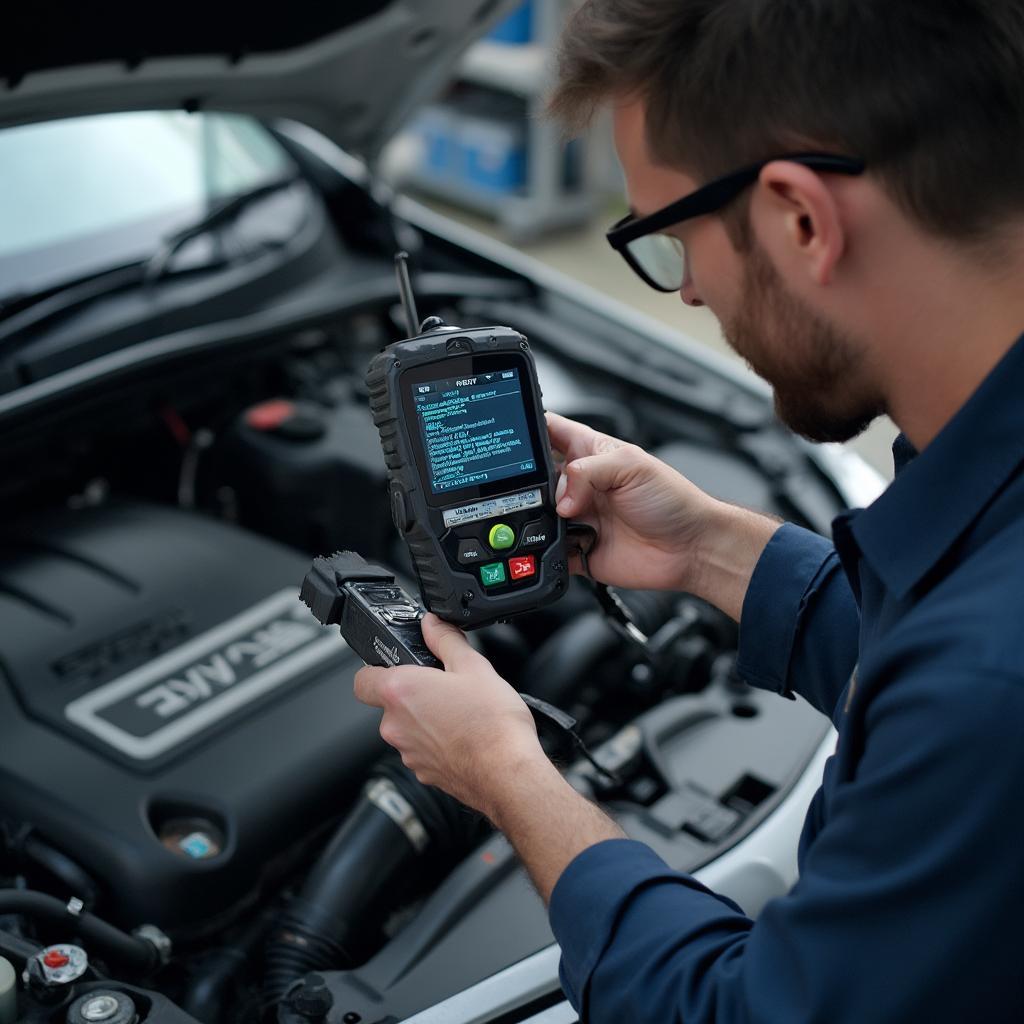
(800, 624)
(908, 907)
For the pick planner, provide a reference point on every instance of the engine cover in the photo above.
(171, 716)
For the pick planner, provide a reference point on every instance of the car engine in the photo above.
(153, 659)
(198, 821)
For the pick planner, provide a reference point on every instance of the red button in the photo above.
(270, 415)
(520, 568)
(55, 958)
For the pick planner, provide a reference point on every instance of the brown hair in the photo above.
(930, 93)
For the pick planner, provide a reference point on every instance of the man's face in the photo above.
(815, 369)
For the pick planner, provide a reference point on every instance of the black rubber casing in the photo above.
(453, 592)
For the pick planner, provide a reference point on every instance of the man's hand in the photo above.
(649, 518)
(464, 730)
(656, 530)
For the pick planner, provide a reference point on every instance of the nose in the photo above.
(688, 291)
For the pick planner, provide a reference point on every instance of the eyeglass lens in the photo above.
(662, 258)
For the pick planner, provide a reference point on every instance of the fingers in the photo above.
(570, 438)
(448, 643)
(378, 687)
(563, 482)
(595, 462)
(369, 685)
(596, 474)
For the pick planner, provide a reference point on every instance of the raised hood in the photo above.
(352, 69)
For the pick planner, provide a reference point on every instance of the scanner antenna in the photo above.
(405, 291)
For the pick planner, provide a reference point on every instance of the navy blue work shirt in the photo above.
(910, 902)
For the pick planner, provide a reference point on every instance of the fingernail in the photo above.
(564, 507)
(560, 487)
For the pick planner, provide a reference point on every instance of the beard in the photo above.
(815, 370)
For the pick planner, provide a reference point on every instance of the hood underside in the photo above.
(353, 70)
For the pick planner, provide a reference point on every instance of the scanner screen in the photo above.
(474, 429)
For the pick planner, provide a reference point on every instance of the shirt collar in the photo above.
(938, 494)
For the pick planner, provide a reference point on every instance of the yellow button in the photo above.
(501, 537)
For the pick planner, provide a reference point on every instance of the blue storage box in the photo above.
(494, 154)
(516, 28)
(437, 127)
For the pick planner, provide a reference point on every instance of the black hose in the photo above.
(72, 875)
(325, 925)
(453, 829)
(398, 831)
(17, 949)
(128, 950)
(567, 660)
(206, 989)
(205, 994)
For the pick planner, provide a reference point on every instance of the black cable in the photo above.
(611, 776)
(564, 721)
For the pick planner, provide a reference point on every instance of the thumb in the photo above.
(448, 643)
(596, 474)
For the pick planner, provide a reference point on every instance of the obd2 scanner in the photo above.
(471, 477)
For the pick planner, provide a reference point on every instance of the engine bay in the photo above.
(181, 756)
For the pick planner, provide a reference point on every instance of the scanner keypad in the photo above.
(503, 552)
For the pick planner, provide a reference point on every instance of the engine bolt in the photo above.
(351, 1017)
(312, 998)
(100, 1008)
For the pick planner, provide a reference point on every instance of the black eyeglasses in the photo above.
(660, 260)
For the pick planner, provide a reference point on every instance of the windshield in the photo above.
(83, 194)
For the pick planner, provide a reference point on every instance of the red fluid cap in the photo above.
(270, 415)
(55, 958)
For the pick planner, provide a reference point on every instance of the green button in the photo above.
(493, 574)
(501, 537)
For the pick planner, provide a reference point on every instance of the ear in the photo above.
(800, 220)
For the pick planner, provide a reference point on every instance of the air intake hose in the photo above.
(399, 833)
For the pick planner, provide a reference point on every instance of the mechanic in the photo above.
(889, 282)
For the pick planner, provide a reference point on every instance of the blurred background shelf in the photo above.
(519, 69)
(486, 145)
(521, 216)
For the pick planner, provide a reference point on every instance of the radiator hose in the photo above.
(400, 833)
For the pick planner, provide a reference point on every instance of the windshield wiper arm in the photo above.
(27, 310)
(31, 310)
(156, 266)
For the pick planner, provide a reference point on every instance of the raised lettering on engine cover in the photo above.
(147, 712)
